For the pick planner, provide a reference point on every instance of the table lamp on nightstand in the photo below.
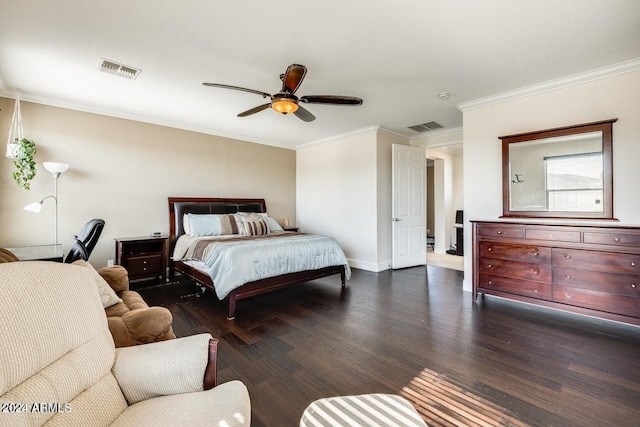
(56, 170)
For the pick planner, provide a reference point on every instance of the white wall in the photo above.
(344, 190)
(611, 97)
(336, 194)
(123, 171)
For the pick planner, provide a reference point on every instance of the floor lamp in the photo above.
(56, 170)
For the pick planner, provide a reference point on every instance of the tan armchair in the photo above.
(131, 321)
(59, 365)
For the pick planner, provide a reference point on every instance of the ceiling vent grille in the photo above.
(426, 127)
(112, 67)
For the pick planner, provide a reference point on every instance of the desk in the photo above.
(38, 253)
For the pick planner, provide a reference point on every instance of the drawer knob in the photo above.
(535, 254)
(633, 285)
(499, 231)
(616, 239)
(568, 277)
(567, 256)
(535, 271)
(490, 282)
(633, 264)
(535, 290)
(489, 249)
(489, 265)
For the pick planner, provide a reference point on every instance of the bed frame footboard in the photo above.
(260, 286)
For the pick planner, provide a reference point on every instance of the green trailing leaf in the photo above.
(25, 165)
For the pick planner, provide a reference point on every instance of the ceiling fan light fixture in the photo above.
(284, 105)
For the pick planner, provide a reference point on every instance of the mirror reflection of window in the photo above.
(574, 182)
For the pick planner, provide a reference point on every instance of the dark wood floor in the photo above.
(314, 340)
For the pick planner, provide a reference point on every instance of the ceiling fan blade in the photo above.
(304, 114)
(243, 89)
(255, 110)
(293, 77)
(331, 99)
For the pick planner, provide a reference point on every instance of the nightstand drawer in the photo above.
(144, 265)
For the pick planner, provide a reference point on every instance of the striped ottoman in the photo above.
(364, 410)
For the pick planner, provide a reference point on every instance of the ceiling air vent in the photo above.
(112, 67)
(426, 127)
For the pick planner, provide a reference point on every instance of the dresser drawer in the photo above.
(514, 252)
(528, 288)
(619, 284)
(515, 269)
(144, 265)
(608, 262)
(601, 301)
(612, 238)
(552, 235)
(499, 230)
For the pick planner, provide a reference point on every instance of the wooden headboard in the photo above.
(178, 206)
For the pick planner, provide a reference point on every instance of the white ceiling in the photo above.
(395, 55)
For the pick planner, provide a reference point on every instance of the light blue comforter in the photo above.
(233, 263)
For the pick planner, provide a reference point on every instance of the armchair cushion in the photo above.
(226, 405)
(162, 368)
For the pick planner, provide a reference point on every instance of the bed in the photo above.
(200, 257)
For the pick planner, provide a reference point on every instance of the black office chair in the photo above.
(85, 241)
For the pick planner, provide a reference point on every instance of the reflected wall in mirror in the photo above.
(559, 173)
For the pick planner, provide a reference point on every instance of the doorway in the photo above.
(444, 198)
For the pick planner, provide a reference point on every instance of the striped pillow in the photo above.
(255, 228)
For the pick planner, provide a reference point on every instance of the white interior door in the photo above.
(409, 206)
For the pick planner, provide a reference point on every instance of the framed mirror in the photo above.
(559, 173)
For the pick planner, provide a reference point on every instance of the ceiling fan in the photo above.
(286, 102)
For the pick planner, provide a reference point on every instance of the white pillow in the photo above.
(204, 225)
(273, 224)
(108, 296)
(186, 224)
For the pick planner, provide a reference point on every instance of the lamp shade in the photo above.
(34, 207)
(55, 168)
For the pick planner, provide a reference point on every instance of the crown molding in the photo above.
(436, 134)
(357, 132)
(576, 79)
(143, 119)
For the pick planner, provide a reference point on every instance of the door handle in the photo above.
(396, 219)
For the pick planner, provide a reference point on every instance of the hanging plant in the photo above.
(24, 163)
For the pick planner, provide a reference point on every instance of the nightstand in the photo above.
(143, 257)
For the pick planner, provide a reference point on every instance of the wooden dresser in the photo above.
(592, 270)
